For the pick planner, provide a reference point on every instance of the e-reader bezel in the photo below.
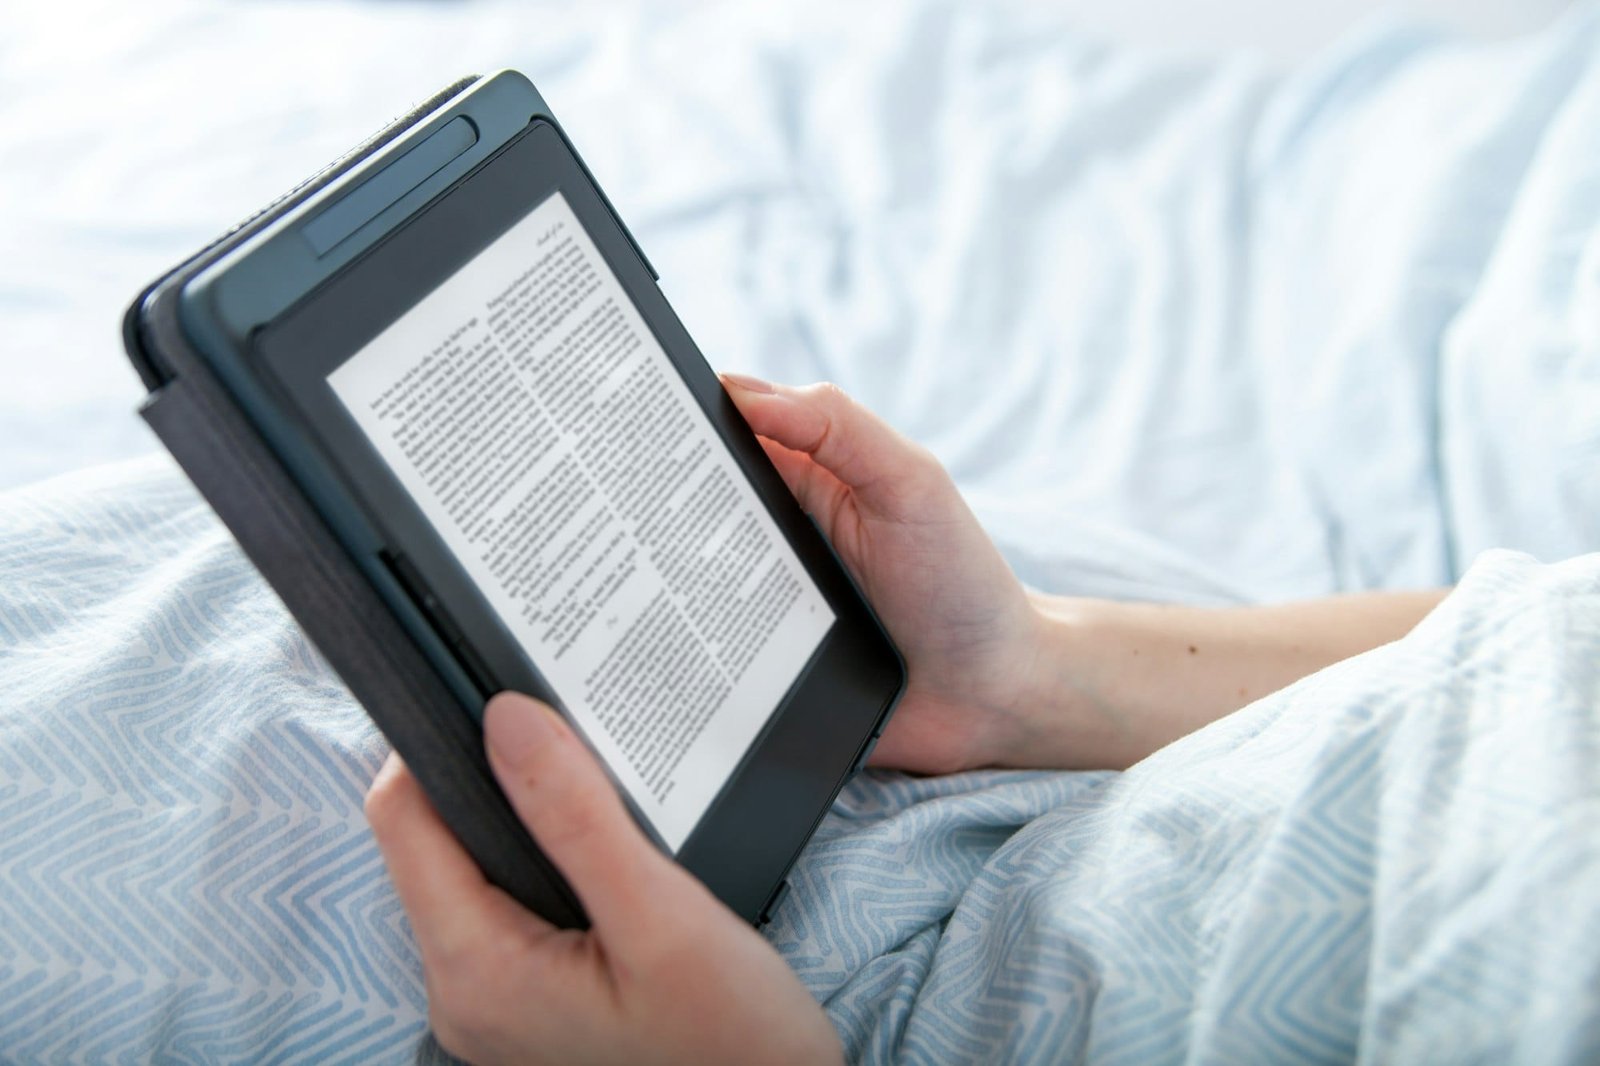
(752, 831)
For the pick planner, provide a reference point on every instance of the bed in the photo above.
(1183, 327)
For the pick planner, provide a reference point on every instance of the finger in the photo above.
(573, 811)
(852, 443)
(818, 492)
(450, 904)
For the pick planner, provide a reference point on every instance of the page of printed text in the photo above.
(535, 419)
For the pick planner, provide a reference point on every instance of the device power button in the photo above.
(866, 753)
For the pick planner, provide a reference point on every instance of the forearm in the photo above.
(1112, 682)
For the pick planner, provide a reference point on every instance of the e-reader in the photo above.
(441, 400)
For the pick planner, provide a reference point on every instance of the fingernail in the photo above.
(515, 727)
(748, 383)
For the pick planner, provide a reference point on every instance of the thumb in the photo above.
(844, 438)
(572, 809)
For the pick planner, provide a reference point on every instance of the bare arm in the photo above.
(1113, 682)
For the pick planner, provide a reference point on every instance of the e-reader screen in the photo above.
(539, 425)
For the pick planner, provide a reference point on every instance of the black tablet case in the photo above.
(293, 548)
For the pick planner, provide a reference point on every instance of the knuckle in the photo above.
(927, 465)
(830, 407)
(923, 482)
(831, 395)
(381, 802)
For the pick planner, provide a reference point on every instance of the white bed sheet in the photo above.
(1137, 301)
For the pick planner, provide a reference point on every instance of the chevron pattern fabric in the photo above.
(185, 871)
(1394, 859)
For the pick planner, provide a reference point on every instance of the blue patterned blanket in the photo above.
(1395, 859)
(1396, 855)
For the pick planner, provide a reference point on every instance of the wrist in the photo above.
(1065, 711)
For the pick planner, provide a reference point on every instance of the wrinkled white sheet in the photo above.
(1160, 314)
